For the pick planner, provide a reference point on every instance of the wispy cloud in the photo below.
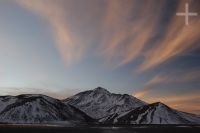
(157, 80)
(119, 30)
(128, 26)
(142, 93)
(178, 39)
(70, 47)
(175, 77)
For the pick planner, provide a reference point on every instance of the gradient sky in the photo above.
(139, 47)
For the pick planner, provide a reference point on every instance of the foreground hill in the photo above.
(39, 109)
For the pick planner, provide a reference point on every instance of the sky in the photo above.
(138, 47)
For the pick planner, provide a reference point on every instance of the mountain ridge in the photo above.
(97, 106)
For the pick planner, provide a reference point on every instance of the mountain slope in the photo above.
(41, 109)
(156, 113)
(5, 101)
(99, 102)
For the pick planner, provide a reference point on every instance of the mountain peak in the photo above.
(101, 90)
(159, 104)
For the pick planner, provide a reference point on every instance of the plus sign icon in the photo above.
(186, 14)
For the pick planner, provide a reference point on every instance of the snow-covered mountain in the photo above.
(156, 113)
(38, 109)
(82, 108)
(99, 102)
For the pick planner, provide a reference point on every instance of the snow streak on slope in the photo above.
(5, 101)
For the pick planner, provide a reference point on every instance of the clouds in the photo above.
(142, 93)
(178, 39)
(128, 26)
(119, 31)
(59, 16)
(53, 13)
(131, 25)
(175, 77)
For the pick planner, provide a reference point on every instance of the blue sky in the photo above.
(139, 47)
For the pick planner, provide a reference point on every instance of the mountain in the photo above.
(156, 113)
(39, 109)
(97, 106)
(99, 102)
